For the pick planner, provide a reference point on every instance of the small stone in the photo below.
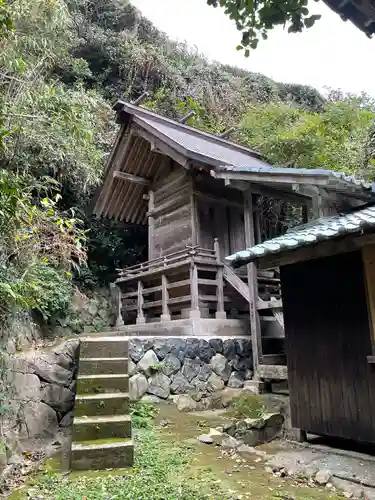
(235, 380)
(347, 494)
(185, 403)
(221, 367)
(268, 469)
(180, 385)
(228, 395)
(205, 351)
(322, 477)
(138, 386)
(159, 385)
(136, 350)
(217, 436)
(191, 368)
(217, 345)
(161, 348)
(245, 449)
(215, 383)
(170, 365)
(231, 443)
(205, 438)
(148, 362)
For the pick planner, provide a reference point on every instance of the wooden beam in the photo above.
(273, 372)
(185, 118)
(273, 178)
(141, 98)
(256, 340)
(323, 249)
(131, 178)
(368, 258)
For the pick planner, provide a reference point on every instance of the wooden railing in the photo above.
(174, 283)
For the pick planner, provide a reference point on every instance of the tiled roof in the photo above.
(332, 176)
(326, 228)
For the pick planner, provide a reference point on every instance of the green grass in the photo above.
(158, 474)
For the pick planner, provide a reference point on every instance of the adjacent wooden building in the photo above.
(197, 193)
(328, 290)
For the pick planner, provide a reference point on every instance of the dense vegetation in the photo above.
(62, 65)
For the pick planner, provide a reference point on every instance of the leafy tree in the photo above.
(254, 19)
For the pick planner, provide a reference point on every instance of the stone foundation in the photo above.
(194, 366)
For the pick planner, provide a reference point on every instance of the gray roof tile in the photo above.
(308, 234)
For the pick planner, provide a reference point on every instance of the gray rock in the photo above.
(161, 348)
(235, 380)
(215, 383)
(230, 443)
(170, 365)
(199, 385)
(51, 372)
(323, 477)
(228, 395)
(136, 350)
(191, 368)
(180, 385)
(204, 372)
(177, 348)
(67, 420)
(26, 386)
(205, 438)
(196, 395)
(205, 351)
(240, 364)
(185, 403)
(148, 361)
(138, 386)
(246, 450)
(247, 374)
(132, 368)
(149, 398)
(40, 421)
(93, 308)
(217, 345)
(192, 348)
(229, 349)
(57, 397)
(221, 367)
(159, 385)
(243, 347)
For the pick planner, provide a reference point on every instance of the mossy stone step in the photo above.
(104, 366)
(91, 405)
(104, 347)
(103, 427)
(102, 455)
(102, 384)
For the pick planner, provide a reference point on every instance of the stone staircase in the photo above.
(102, 422)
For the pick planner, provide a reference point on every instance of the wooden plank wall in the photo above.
(172, 218)
(220, 214)
(332, 386)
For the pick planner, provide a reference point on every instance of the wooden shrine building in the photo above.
(197, 193)
(328, 289)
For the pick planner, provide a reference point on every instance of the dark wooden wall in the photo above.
(332, 386)
(172, 223)
(220, 215)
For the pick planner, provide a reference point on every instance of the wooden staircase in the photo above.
(102, 423)
(272, 359)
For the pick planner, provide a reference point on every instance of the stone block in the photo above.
(191, 368)
(180, 385)
(102, 456)
(96, 384)
(57, 397)
(148, 362)
(171, 365)
(26, 386)
(105, 366)
(39, 419)
(159, 385)
(106, 427)
(104, 347)
(138, 386)
(220, 366)
(102, 404)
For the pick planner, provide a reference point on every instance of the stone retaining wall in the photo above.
(41, 391)
(198, 367)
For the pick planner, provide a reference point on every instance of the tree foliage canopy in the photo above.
(254, 18)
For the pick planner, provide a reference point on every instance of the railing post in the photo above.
(220, 309)
(165, 316)
(117, 304)
(194, 291)
(217, 250)
(140, 301)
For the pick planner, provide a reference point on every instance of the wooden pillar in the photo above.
(151, 226)
(368, 258)
(140, 301)
(194, 292)
(117, 304)
(256, 339)
(165, 316)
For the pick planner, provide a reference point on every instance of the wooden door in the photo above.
(332, 386)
